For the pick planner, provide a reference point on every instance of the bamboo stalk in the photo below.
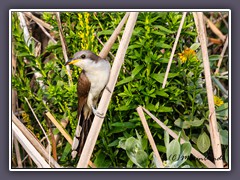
(222, 54)
(149, 135)
(106, 48)
(197, 154)
(34, 141)
(106, 97)
(39, 21)
(29, 148)
(214, 133)
(173, 49)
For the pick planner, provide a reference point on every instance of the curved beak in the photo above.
(71, 61)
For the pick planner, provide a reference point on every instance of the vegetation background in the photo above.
(182, 105)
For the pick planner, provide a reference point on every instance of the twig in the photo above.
(214, 133)
(106, 48)
(34, 141)
(24, 27)
(63, 46)
(197, 154)
(149, 135)
(48, 35)
(214, 29)
(220, 18)
(106, 97)
(221, 56)
(29, 148)
(44, 132)
(225, 22)
(39, 21)
(18, 155)
(173, 49)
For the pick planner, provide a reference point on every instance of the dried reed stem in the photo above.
(39, 21)
(197, 154)
(106, 97)
(214, 133)
(173, 49)
(214, 29)
(17, 150)
(106, 48)
(63, 46)
(221, 56)
(34, 141)
(29, 148)
(149, 135)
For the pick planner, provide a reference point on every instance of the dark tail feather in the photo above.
(86, 125)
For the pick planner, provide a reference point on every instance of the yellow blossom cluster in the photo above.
(218, 101)
(86, 33)
(187, 54)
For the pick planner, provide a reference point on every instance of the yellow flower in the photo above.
(187, 54)
(218, 101)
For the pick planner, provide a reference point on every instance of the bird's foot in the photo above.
(96, 113)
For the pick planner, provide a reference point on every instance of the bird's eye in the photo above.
(83, 56)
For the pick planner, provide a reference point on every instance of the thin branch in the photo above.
(214, 133)
(47, 34)
(39, 21)
(34, 141)
(106, 97)
(64, 49)
(173, 49)
(225, 22)
(197, 154)
(29, 148)
(221, 56)
(44, 132)
(149, 135)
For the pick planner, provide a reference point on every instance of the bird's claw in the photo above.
(96, 113)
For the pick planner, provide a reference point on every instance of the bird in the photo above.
(91, 83)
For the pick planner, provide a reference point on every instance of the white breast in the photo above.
(98, 75)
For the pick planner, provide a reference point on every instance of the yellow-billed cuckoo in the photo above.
(91, 82)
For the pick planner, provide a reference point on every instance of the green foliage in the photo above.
(181, 105)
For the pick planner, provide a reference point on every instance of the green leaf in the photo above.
(136, 70)
(173, 150)
(166, 138)
(163, 45)
(124, 124)
(65, 153)
(182, 124)
(105, 32)
(141, 159)
(224, 137)
(162, 28)
(226, 155)
(165, 109)
(124, 81)
(101, 161)
(214, 57)
(161, 93)
(185, 153)
(158, 77)
(196, 122)
(203, 142)
(195, 46)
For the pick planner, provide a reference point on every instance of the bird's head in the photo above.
(83, 59)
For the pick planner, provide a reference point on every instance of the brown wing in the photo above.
(83, 88)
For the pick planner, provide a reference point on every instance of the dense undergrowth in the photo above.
(181, 105)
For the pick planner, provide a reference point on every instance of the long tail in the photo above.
(82, 130)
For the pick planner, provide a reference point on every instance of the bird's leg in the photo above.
(96, 113)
